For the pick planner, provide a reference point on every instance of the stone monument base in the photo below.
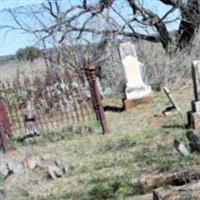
(129, 104)
(194, 115)
(137, 92)
(193, 120)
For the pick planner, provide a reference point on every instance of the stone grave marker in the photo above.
(135, 89)
(194, 114)
(174, 108)
(127, 49)
(196, 79)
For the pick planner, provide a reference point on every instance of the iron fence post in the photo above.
(4, 139)
(4, 127)
(95, 94)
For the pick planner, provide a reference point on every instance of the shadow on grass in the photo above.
(113, 108)
(184, 126)
(68, 133)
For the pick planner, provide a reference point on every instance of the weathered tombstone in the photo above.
(196, 79)
(135, 89)
(127, 49)
(174, 108)
(194, 114)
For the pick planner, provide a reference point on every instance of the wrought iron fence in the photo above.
(59, 100)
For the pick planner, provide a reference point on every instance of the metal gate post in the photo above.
(95, 94)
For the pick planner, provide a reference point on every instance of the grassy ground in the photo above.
(103, 167)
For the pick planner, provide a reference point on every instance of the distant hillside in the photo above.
(6, 58)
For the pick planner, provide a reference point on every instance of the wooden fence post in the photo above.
(95, 94)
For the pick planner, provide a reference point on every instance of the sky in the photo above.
(11, 41)
(4, 4)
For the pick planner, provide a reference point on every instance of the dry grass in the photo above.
(162, 69)
(14, 69)
(102, 167)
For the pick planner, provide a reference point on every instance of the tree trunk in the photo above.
(189, 24)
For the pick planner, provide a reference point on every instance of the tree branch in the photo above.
(153, 20)
(116, 32)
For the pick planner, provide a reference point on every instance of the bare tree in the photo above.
(130, 18)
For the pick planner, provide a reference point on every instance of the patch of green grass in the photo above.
(120, 144)
(113, 188)
(68, 133)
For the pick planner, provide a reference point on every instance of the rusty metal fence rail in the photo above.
(59, 100)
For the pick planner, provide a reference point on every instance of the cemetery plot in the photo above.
(51, 103)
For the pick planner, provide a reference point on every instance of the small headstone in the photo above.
(194, 120)
(171, 109)
(135, 87)
(194, 114)
(196, 79)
